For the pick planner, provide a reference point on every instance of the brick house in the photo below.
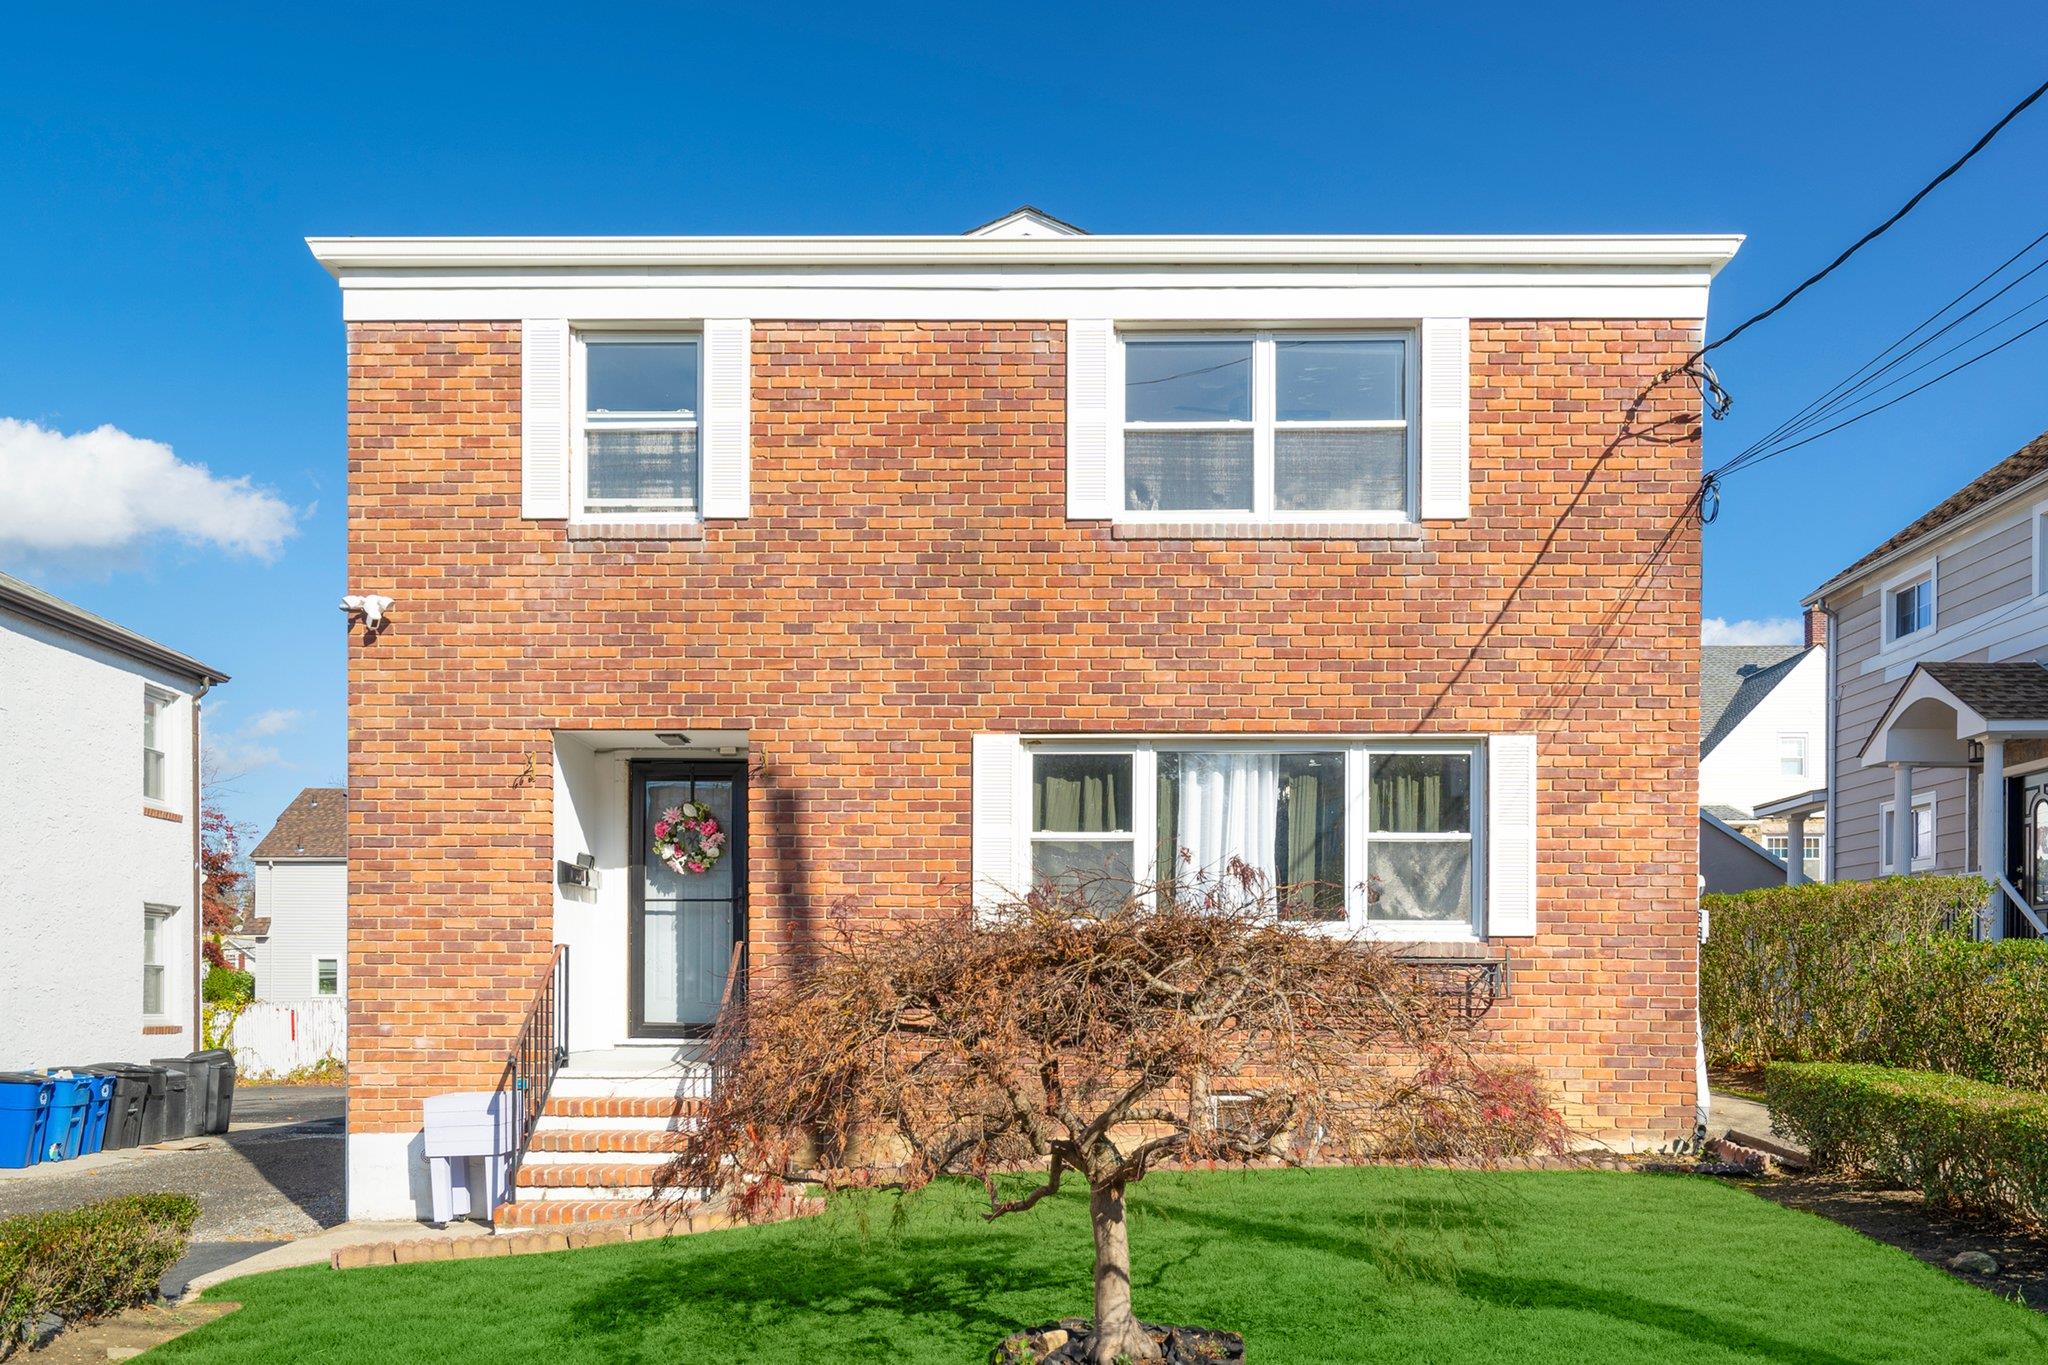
(933, 565)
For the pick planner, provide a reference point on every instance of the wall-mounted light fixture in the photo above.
(582, 872)
(675, 739)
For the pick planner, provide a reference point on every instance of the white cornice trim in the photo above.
(341, 255)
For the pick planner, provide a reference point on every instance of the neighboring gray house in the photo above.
(1938, 697)
(1763, 739)
(300, 875)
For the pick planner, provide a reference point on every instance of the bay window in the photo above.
(1381, 837)
(1272, 425)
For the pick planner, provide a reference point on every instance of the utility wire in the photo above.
(1878, 231)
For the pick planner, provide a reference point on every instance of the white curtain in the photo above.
(1229, 808)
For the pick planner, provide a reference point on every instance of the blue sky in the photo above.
(160, 168)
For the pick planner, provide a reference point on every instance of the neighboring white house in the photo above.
(300, 875)
(1763, 740)
(99, 796)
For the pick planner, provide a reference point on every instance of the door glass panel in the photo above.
(2039, 890)
(687, 918)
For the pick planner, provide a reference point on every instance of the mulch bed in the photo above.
(1071, 1341)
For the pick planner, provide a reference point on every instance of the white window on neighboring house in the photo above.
(1279, 426)
(327, 976)
(1909, 607)
(1812, 848)
(637, 430)
(1792, 755)
(1777, 845)
(156, 955)
(1923, 833)
(156, 707)
(1379, 836)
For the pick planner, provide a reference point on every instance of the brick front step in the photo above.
(593, 1175)
(656, 1140)
(622, 1107)
(536, 1213)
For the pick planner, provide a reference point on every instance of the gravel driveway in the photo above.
(275, 1176)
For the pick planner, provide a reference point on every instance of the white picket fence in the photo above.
(276, 1036)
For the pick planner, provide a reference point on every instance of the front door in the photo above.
(684, 924)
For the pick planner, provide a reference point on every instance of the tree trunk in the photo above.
(1116, 1331)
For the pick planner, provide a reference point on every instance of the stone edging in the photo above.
(681, 1222)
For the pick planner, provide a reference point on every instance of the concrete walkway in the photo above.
(316, 1250)
(1744, 1116)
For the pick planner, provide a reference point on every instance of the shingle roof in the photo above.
(1727, 815)
(2009, 473)
(27, 599)
(1733, 679)
(2014, 691)
(314, 825)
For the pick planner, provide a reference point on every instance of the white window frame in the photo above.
(1792, 737)
(1358, 754)
(165, 701)
(155, 922)
(1923, 572)
(581, 423)
(2037, 518)
(1884, 833)
(317, 992)
(1264, 423)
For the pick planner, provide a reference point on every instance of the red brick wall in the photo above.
(908, 578)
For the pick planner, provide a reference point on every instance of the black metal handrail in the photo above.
(540, 1051)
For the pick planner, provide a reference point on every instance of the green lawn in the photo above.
(1372, 1265)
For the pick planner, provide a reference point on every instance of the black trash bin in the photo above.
(182, 1107)
(217, 1073)
(146, 1083)
(124, 1111)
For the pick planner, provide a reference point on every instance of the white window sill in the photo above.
(1402, 532)
(676, 529)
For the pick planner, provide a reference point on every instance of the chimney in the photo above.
(1816, 627)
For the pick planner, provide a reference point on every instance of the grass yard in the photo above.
(1312, 1266)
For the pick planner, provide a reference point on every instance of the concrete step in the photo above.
(635, 1085)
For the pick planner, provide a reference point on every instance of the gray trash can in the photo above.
(147, 1083)
(182, 1111)
(124, 1111)
(217, 1073)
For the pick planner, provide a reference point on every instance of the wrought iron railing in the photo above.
(2021, 919)
(540, 1051)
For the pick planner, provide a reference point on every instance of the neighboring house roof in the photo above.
(28, 600)
(1727, 815)
(314, 825)
(1026, 218)
(2020, 467)
(1734, 679)
(2011, 691)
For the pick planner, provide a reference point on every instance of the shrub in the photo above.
(224, 986)
(1969, 1009)
(1957, 1141)
(1793, 973)
(86, 1262)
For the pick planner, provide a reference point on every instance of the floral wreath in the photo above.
(687, 838)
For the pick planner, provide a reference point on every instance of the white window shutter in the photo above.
(728, 345)
(544, 417)
(1446, 417)
(1092, 425)
(998, 844)
(1511, 835)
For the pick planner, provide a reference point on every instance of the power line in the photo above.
(1878, 231)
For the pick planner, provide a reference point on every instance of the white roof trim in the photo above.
(1935, 539)
(1695, 251)
(1805, 803)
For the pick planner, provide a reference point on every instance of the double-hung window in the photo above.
(155, 950)
(1303, 426)
(156, 707)
(1909, 607)
(1923, 833)
(638, 428)
(1792, 755)
(1382, 837)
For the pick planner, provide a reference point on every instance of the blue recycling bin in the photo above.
(24, 1108)
(100, 1103)
(69, 1113)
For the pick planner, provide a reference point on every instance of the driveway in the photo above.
(274, 1177)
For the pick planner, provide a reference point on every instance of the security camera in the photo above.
(369, 607)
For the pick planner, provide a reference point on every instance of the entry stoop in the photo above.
(612, 1122)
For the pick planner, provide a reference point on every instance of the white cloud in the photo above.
(103, 490)
(1767, 630)
(236, 750)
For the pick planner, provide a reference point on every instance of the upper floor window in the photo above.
(1792, 755)
(327, 976)
(1910, 607)
(1281, 425)
(638, 424)
(155, 762)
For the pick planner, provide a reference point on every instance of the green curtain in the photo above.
(1421, 794)
(1081, 797)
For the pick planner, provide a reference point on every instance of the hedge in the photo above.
(1958, 1141)
(1879, 972)
(86, 1262)
(225, 986)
